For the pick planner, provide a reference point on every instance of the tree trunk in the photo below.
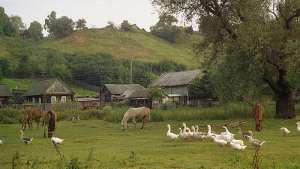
(285, 105)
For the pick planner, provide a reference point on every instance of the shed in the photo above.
(113, 92)
(138, 98)
(88, 102)
(5, 94)
(49, 91)
(175, 85)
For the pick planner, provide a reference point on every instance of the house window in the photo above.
(53, 99)
(64, 99)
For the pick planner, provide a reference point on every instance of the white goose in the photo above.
(285, 131)
(255, 142)
(218, 141)
(298, 126)
(56, 140)
(237, 146)
(1, 141)
(171, 135)
(26, 140)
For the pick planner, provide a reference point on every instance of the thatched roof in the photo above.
(118, 89)
(131, 94)
(176, 78)
(49, 87)
(4, 91)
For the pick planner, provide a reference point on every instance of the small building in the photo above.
(5, 95)
(138, 98)
(18, 96)
(114, 93)
(49, 91)
(88, 102)
(175, 85)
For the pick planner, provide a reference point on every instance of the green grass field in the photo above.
(99, 144)
(139, 45)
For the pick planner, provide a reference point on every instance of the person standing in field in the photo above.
(258, 111)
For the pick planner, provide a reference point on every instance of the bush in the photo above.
(10, 115)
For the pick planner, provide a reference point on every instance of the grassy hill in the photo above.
(139, 45)
(26, 83)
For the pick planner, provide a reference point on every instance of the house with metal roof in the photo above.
(49, 91)
(175, 85)
(5, 94)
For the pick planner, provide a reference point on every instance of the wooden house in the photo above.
(88, 102)
(135, 94)
(175, 85)
(5, 95)
(49, 91)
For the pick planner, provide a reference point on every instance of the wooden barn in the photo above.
(88, 102)
(175, 85)
(49, 91)
(138, 98)
(113, 93)
(5, 95)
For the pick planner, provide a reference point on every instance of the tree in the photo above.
(6, 27)
(59, 27)
(35, 31)
(126, 26)
(257, 41)
(17, 24)
(81, 24)
(165, 28)
(203, 87)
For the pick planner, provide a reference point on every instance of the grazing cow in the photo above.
(133, 113)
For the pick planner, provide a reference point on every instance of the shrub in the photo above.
(10, 115)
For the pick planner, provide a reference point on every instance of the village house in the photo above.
(135, 94)
(5, 95)
(175, 85)
(88, 102)
(49, 91)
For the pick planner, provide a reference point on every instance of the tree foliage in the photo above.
(256, 42)
(81, 24)
(59, 27)
(6, 26)
(35, 31)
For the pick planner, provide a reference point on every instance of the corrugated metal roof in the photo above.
(4, 91)
(48, 87)
(176, 78)
(118, 89)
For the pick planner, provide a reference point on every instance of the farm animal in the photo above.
(56, 140)
(171, 135)
(298, 126)
(237, 146)
(50, 118)
(1, 141)
(245, 133)
(218, 140)
(285, 131)
(26, 140)
(240, 142)
(133, 113)
(32, 114)
(180, 133)
(255, 142)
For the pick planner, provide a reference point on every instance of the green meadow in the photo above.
(101, 144)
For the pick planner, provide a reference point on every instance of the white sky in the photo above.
(96, 12)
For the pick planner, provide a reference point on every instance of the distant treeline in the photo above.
(94, 69)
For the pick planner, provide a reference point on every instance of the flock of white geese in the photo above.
(223, 138)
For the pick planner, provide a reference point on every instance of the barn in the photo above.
(136, 94)
(175, 85)
(49, 91)
(5, 95)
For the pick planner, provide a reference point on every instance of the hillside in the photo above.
(139, 45)
(25, 84)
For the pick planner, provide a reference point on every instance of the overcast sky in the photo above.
(96, 12)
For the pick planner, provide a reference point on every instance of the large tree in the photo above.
(81, 24)
(255, 40)
(35, 31)
(59, 27)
